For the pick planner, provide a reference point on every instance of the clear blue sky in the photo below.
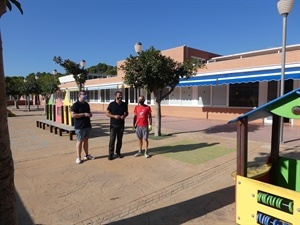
(105, 31)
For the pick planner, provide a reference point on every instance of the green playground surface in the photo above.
(192, 152)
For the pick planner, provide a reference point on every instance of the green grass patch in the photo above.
(192, 152)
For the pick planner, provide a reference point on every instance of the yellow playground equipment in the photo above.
(59, 111)
(273, 196)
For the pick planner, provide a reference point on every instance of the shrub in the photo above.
(10, 113)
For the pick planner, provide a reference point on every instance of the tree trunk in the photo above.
(8, 206)
(157, 131)
(37, 100)
(28, 103)
(46, 100)
(16, 103)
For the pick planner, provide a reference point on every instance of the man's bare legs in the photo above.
(141, 147)
(141, 144)
(85, 145)
(78, 151)
(146, 148)
(139, 153)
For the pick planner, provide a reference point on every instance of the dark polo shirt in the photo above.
(83, 122)
(117, 109)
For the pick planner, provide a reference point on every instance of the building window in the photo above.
(272, 90)
(91, 95)
(107, 95)
(198, 60)
(96, 95)
(243, 95)
(74, 96)
(131, 95)
(134, 94)
(102, 95)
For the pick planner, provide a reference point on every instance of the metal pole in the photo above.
(284, 17)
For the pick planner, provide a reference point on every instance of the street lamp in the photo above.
(38, 95)
(54, 73)
(138, 47)
(284, 8)
(82, 76)
(82, 63)
(27, 100)
(24, 80)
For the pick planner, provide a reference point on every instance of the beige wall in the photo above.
(252, 62)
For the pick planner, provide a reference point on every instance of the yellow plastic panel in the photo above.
(247, 205)
(67, 104)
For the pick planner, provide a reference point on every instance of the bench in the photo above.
(56, 127)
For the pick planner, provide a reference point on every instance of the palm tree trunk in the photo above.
(8, 206)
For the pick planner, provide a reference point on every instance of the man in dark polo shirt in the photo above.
(117, 111)
(81, 113)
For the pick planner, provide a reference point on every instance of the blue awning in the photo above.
(241, 77)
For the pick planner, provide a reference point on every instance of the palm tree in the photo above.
(8, 206)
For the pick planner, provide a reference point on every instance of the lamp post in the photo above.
(81, 77)
(54, 74)
(138, 47)
(38, 95)
(27, 100)
(284, 8)
(24, 80)
(82, 63)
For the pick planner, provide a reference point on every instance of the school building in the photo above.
(227, 87)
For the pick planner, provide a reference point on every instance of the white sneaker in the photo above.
(78, 160)
(146, 155)
(88, 157)
(138, 154)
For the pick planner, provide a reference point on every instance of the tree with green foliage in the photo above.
(76, 69)
(30, 87)
(47, 84)
(14, 88)
(157, 74)
(43, 84)
(8, 206)
(103, 69)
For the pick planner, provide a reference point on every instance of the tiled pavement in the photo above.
(134, 191)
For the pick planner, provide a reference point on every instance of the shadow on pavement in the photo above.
(229, 128)
(181, 147)
(103, 130)
(222, 128)
(292, 140)
(33, 115)
(185, 211)
(288, 153)
(23, 216)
